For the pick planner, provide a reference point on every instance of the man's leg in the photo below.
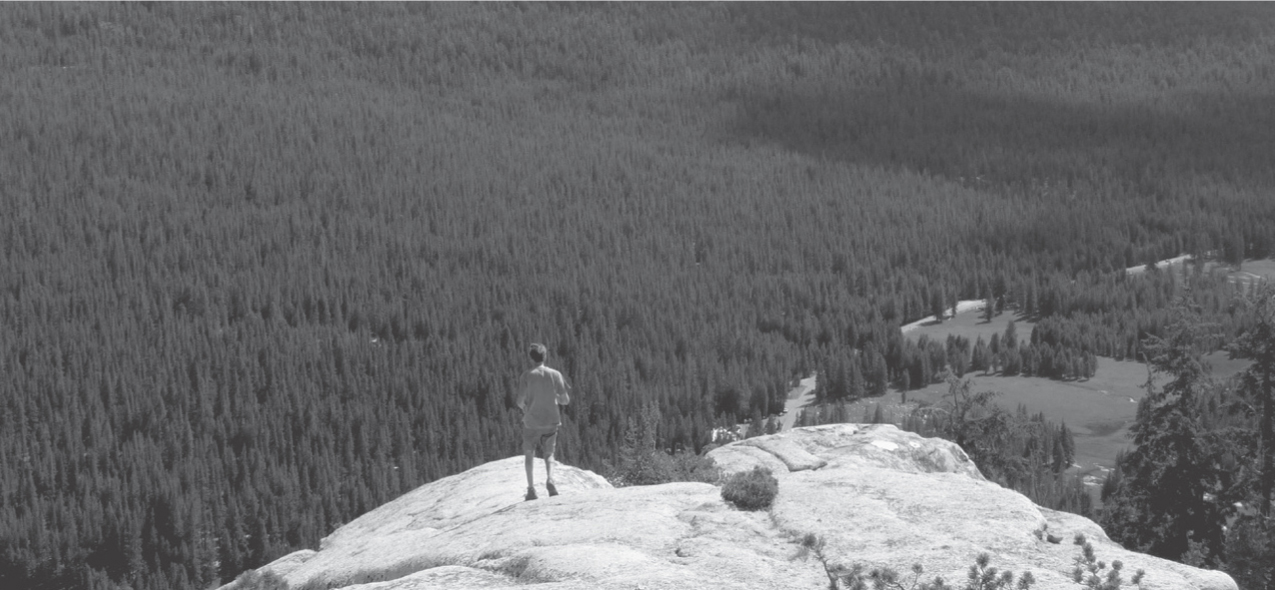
(531, 465)
(529, 451)
(550, 445)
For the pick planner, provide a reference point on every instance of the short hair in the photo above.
(538, 352)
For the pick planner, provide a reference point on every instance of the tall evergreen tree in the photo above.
(875, 372)
(1161, 506)
(854, 381)
(1011, 335)
(1066, 448)
(1257, 385)
(980, 359)
(938, 302)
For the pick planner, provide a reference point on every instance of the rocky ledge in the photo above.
(876, 496)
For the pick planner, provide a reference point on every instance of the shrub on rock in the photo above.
(751, 490)
(255, 580)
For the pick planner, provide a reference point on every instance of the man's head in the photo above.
(538, 352)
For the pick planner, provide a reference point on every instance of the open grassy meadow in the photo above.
(971, 324)
(1099, 410)
(1255, 270)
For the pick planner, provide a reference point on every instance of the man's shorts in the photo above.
(545, 438)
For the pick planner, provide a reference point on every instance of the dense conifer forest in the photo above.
(266, 266)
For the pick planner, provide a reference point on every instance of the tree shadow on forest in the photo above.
(1019, 28)
(1163, 153)
(939, 128)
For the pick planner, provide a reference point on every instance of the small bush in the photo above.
(751, 490)
(255, 580)
(688, 466)
(1096, 578)
(982, 576)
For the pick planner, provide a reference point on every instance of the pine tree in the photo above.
(1011, 361)
(875, 372)
(1250, 552)
(1233, 250)
(1160, 507)
(1066, 447)
(757, 425)
(854, 381)
(806, 417)
(836, 386)
(937, 303)
(1257, 385)
(1010, 339)
(980, 358)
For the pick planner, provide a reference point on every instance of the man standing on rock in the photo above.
(540, 391)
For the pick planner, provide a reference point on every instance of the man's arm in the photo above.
(563, 396)
(521, 398)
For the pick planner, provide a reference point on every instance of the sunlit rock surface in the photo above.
(877, 496)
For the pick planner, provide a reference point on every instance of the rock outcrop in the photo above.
(875, 496)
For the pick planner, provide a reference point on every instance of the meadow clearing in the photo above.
(1099, 410)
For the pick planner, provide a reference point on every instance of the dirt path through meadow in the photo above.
(798, 397)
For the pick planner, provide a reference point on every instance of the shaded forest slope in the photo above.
(267, 266)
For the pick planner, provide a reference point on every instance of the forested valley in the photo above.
(266, 266)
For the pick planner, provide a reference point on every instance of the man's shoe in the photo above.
(552, 490)
(531, 493)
